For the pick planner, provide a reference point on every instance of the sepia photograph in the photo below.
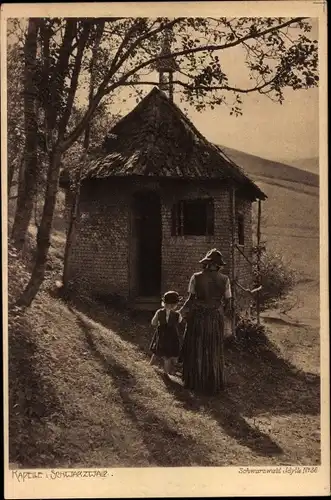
(163, 243)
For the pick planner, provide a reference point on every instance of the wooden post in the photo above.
(74, 209)
(233, 263)
(258, 260)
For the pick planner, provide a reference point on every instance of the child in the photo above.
(165, 342)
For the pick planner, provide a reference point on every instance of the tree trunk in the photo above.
(75, 203)
(28, 185)
(52, 114)
(44, 232)
(10, 176)
(25, 201)
(70, 233)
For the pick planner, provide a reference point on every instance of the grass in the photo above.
(291, 226)
(255, 166)
(94, 401)
(83, 394)
(291, 212)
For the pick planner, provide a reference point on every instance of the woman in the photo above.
(202, 351)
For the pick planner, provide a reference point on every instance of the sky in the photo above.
(286, 132)
(270, 130)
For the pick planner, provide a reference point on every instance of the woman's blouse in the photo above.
(192, 287)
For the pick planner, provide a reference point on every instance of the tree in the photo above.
(86, 145)
(15, 126)
(27, 188)
(279, 55)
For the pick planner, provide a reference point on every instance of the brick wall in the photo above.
(99, 256)
(102, 259)
(181, 254)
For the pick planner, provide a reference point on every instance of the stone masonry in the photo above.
(101, 258)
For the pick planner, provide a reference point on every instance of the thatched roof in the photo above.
(156, 139)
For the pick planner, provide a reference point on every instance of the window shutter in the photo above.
(193, 217)
(241, 229)
(210, 218)
(180, 215)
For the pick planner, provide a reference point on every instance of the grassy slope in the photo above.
(255, 165)
(93, 400)
(291, 212)
(310, 164)
(292, 225)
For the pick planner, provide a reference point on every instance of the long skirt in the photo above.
(202, 352)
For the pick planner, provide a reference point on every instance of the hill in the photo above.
(309, 164)
(290, 223)
(113, 409)
(290, 215)
(261, 167)
(82, 394)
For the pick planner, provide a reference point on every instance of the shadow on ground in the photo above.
(226, 411)
(28, 403)
(157, 435)
(258, 378)
(258, 381)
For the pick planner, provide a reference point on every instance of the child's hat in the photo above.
(171, 297)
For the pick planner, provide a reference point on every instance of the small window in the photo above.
(193, 218)
(241, 229)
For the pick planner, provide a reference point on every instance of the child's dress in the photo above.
(165, 342)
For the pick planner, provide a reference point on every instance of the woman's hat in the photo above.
(214, 256)
(171, 297)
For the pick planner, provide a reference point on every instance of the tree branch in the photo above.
(60, 69)
(100, 30)
(116, 65)
(125, 40)
(257, 88)
(74, 79)
(213, 48)
(146, 36)
(103, 89)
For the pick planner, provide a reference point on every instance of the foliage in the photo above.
(279, 54)
(81, 61)
(15, 99)
(15, 120)
(248, 330)
(276, 277)
(100, 125)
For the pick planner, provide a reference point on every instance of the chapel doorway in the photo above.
(148, 243)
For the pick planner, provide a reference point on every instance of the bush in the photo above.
(248, 330)
(277, 279)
